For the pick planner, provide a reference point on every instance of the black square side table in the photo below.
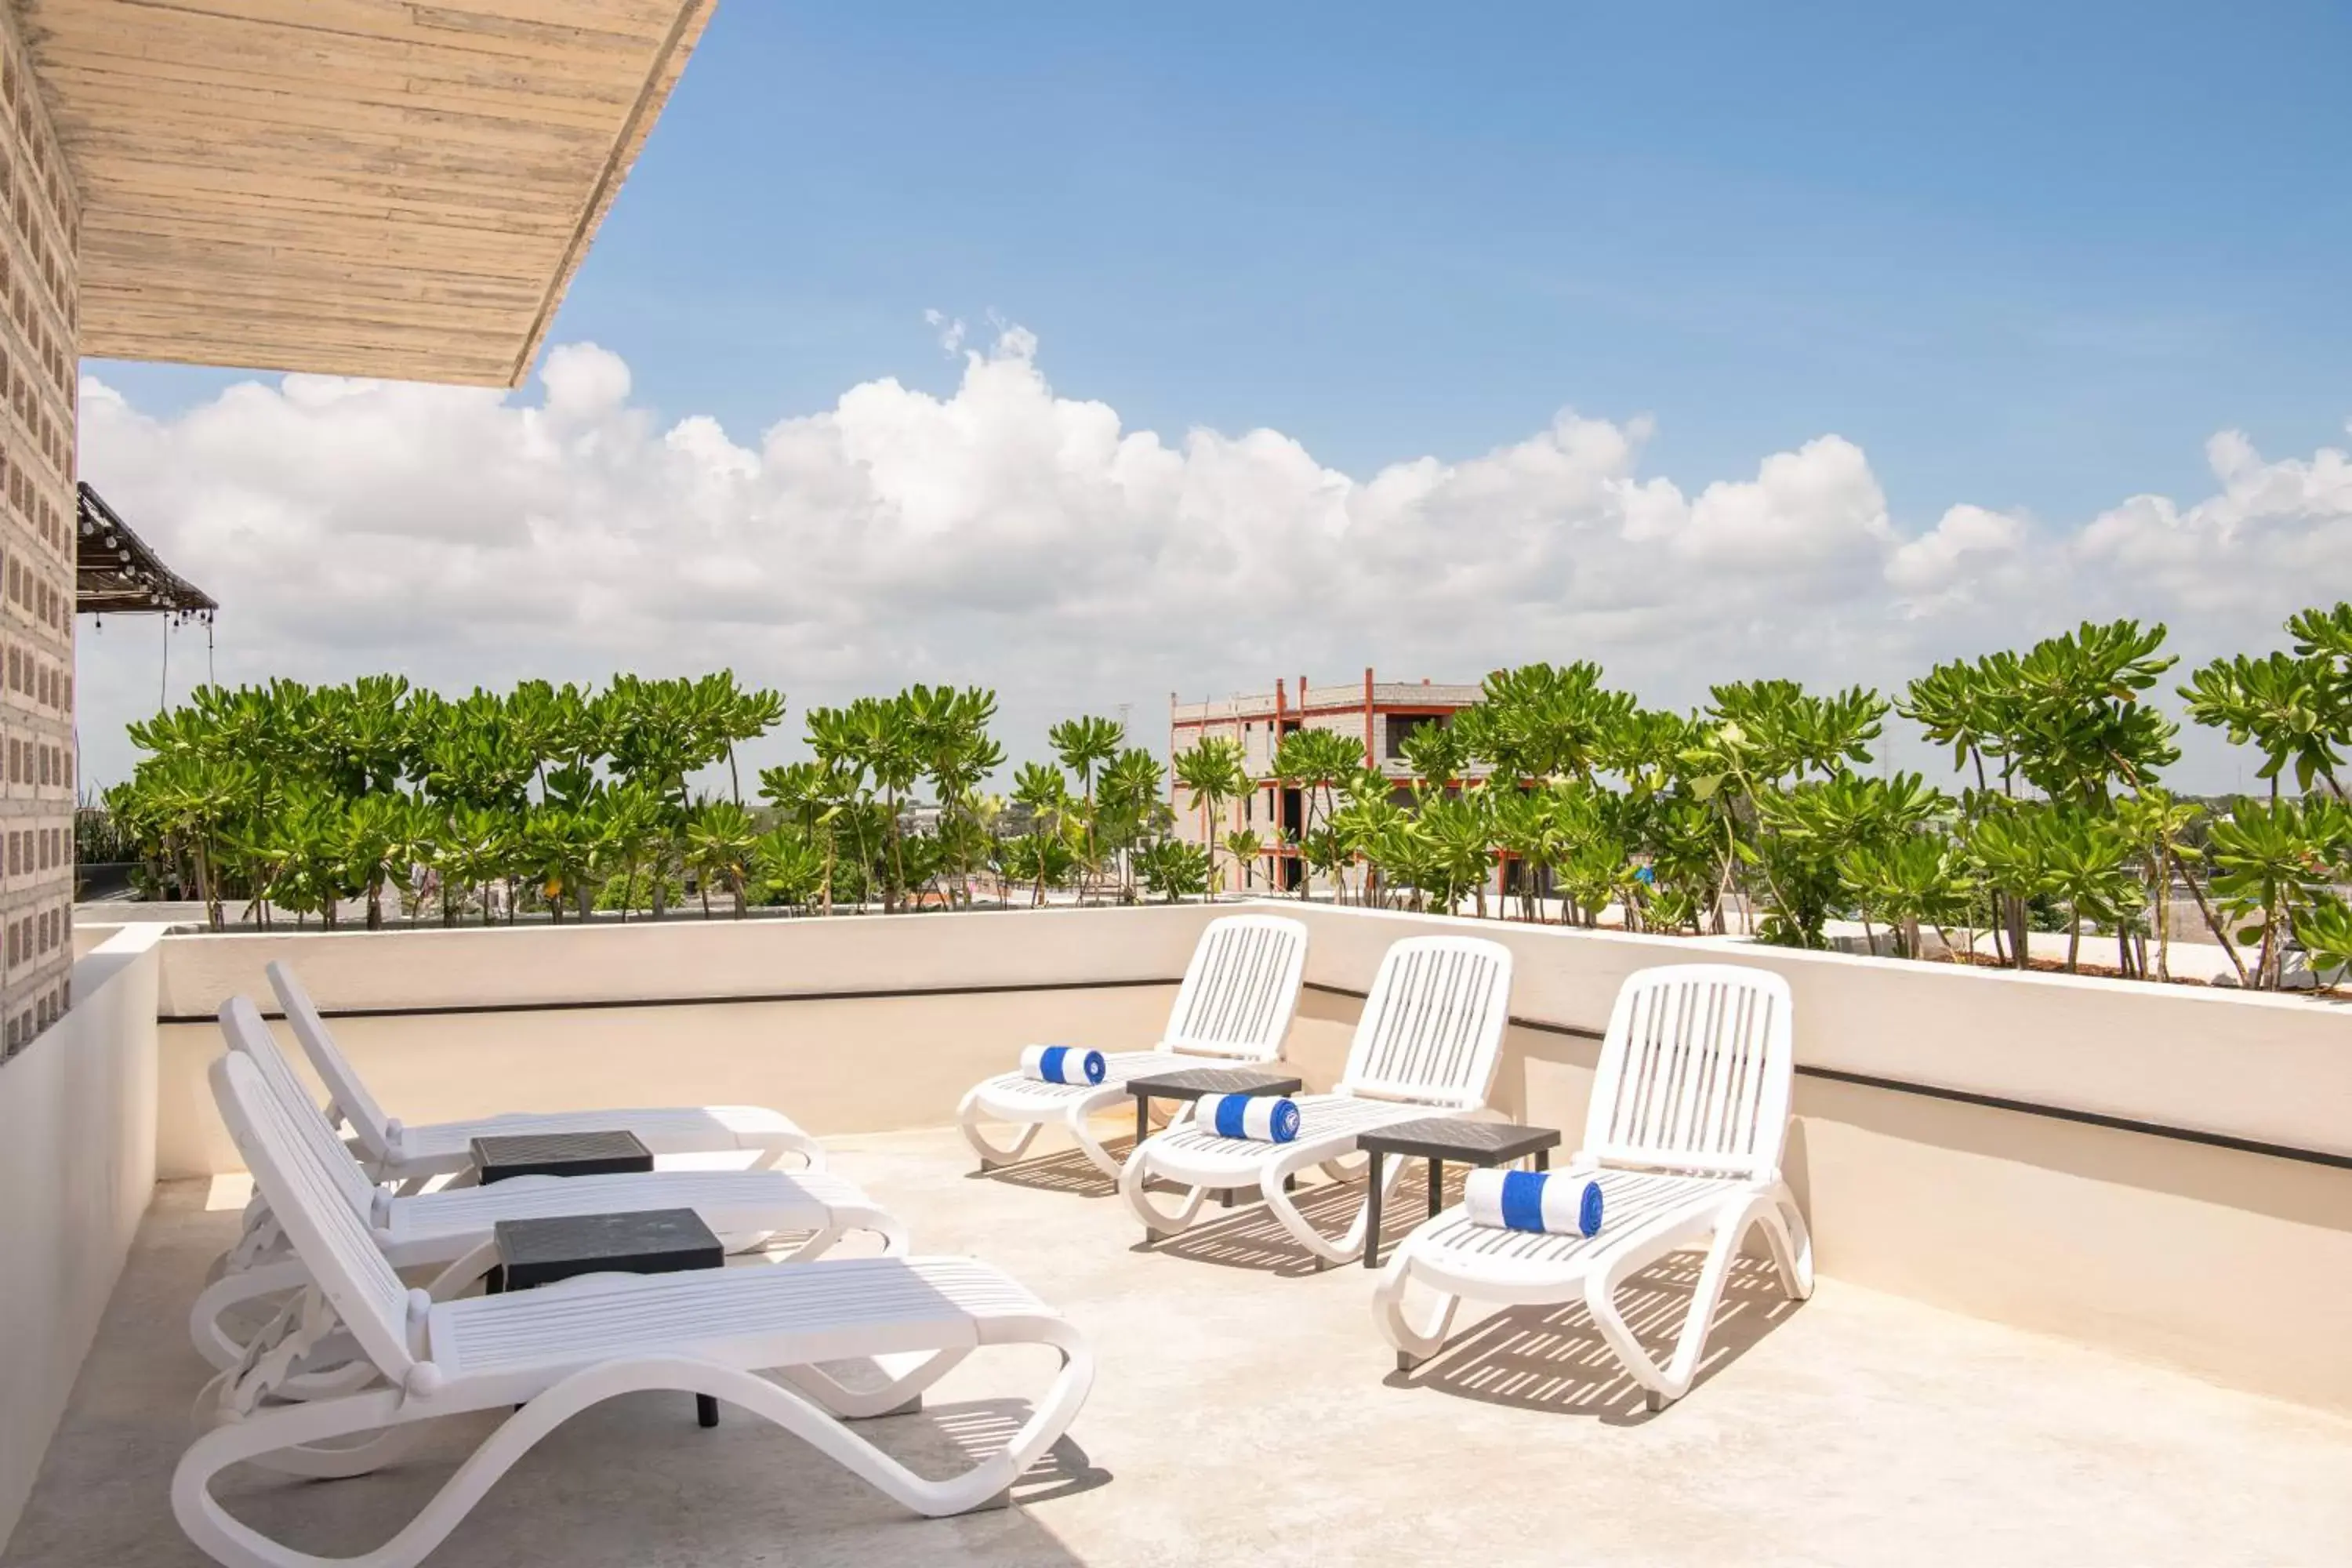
(1197, 1083)
(1438, 1139)
(501, 1155)
(650, 1241)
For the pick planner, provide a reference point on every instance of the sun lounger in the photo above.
(560, 1350)
(1426, 1045)
(1689, 1114)
(395, 1152)
(452, 1230)
(1233, 1009)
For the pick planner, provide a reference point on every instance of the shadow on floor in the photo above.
(1253, 1238)
(1250, 1237)
(1064, 1171)
(978, 1429)
(1551, 1358)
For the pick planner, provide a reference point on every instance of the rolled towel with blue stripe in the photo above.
(1062, 1064)
(1261, 1118)
(1554, 1204)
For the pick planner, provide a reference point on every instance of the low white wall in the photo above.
(2270, 1068)
(686, 959)
(77, 1166)
(2229, 1264)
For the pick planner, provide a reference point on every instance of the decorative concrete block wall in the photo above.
(39, 232)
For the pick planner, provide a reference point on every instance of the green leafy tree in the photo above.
(1215, 775)
(1245, 846)
(2087, 862)
(720, 841)
(1087, 747)
(793, 869)
(1042, 792)
(1173, 870)
(957, 754)
(1315, 762)
(2273, 861)
(1439, 755)
(1129, 810)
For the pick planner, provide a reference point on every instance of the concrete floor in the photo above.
(1245, 1410)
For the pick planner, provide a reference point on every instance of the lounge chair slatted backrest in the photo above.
(301, 1107)
(1433, 1024)
(1240, 988)
(1694, 1072)
(303, 1194)
(350, 1097)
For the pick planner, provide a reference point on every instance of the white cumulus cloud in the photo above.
(1010, 535)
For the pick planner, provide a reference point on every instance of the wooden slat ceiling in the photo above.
(362, 187)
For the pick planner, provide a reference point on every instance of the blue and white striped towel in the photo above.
(1062, 1064)
(1533, 1200)
(1264, 1119)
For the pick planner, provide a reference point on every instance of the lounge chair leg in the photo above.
(1090, 1145)
(706, 1411)
(991, 1154)
(1407, 1360)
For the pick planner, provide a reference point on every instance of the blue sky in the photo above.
(2030, 256)
(1919, 301)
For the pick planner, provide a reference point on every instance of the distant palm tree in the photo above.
(1086, 746)
(1217, 775)
(1128, 808)
(1041, 790)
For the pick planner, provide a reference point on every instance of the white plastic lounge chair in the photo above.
(412, 1155)
(1234, 1006)
(1690, 1111)
(452, 1230)
(558, 1350)
(1426, 1045)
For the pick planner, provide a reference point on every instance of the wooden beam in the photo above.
(381, 187)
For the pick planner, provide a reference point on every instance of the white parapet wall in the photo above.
(77, 1167)
(2189, 1056)
(2167, 1169)
(850, 1024)
(2164, 1170)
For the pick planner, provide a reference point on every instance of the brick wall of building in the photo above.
(39, 231)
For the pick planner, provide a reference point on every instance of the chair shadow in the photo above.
(1253, 1239)
(945, 1439)
(978, 1429)
(1063, 1170)
(1551, 1358)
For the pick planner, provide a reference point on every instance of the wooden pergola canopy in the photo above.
(361, 187)
(117, 575)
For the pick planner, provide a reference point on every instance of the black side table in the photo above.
(651, 1241)
(1438, 1139)
(558, 1154)
(1197, 1083)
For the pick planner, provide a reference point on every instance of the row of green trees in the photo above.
(1756, 812)
(302, 798)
